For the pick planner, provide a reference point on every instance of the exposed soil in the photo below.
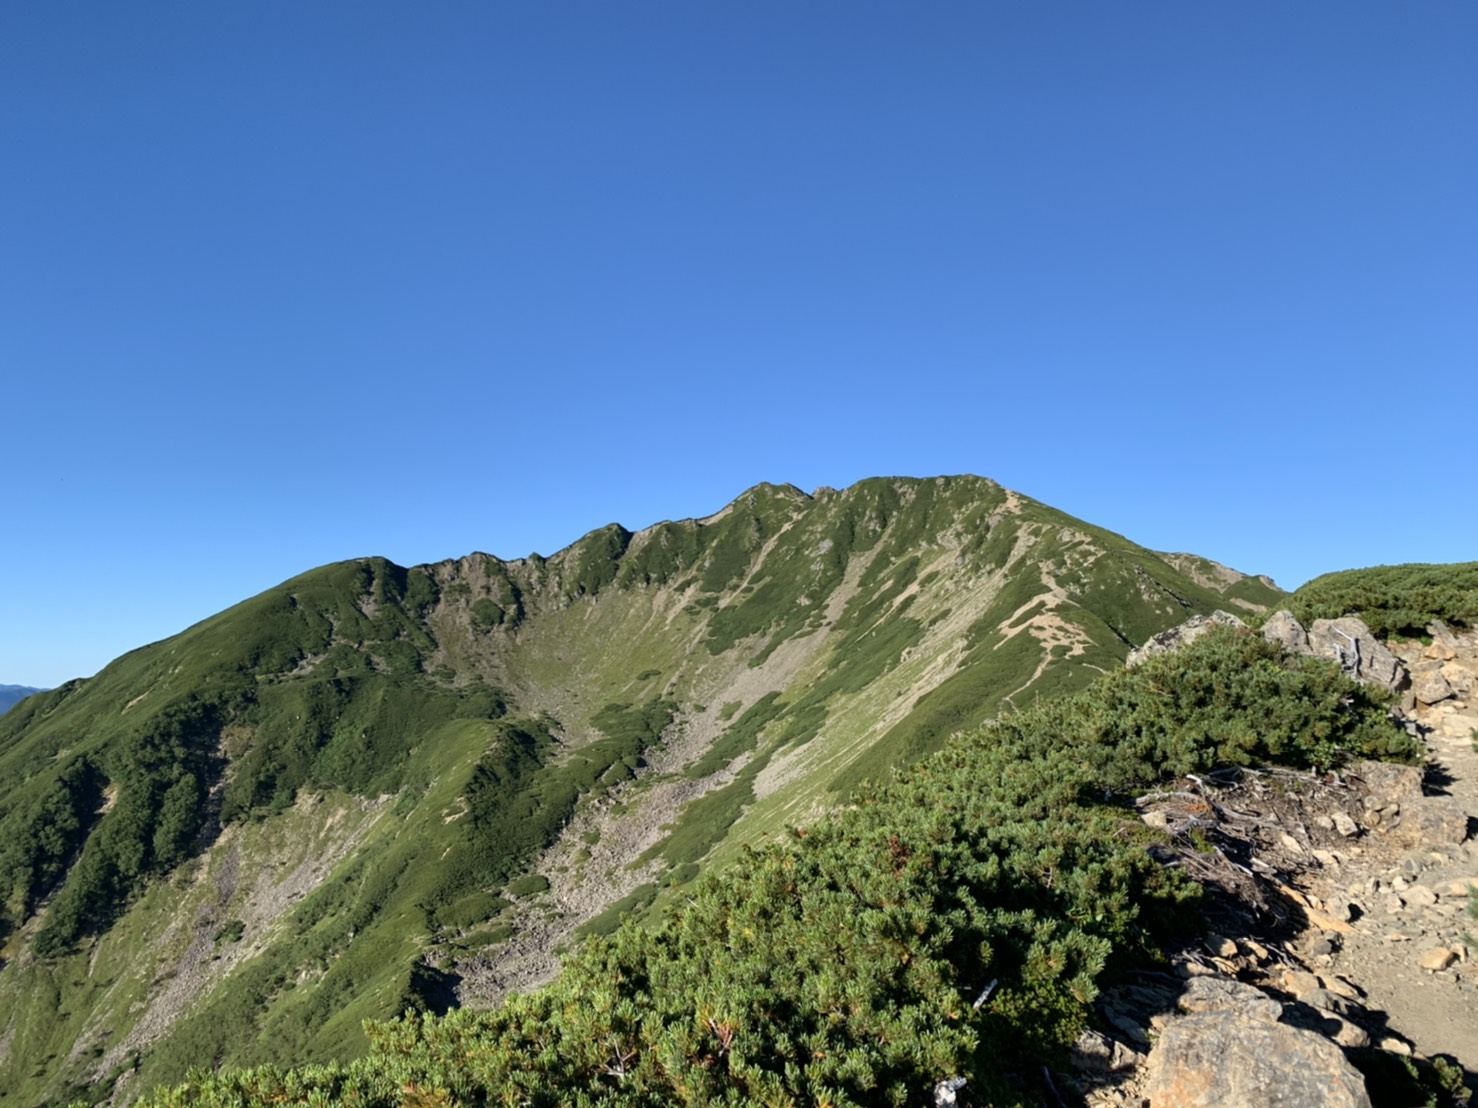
(1409, 899)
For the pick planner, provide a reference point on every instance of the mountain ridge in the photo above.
(568, 736)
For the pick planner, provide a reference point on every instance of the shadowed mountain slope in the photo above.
(373, 788)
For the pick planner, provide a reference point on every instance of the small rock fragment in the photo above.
(1300, 982)
(1340, 987)
(1221, 946)
(1097, 1053)
(1436, 959)
(1428, 685)
(1351, 1036)
(1325, 1001)
(1344, 825)
(1420, 896)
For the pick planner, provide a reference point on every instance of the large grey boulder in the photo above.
(1428, 821)
(1389, 782)
(1230, 1051)
(1187, 632)
(1282, 628)
(1350, 643)
(1223, 1060)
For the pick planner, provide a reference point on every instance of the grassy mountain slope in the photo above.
(954, 924)
(373, 788)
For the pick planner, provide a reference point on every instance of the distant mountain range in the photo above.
(14, 694)
(375, 787)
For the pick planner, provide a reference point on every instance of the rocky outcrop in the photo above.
(1346, 640)
(1444, 680)
(1428, 675)
(1349, 642)
(1187, 632)
(1229, 1050)
(1395, 807)
(1282, 628)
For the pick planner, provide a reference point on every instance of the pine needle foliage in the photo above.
(1393, 600)
(843, 965)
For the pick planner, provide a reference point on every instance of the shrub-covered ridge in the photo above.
(955, 922)
(1393, 600)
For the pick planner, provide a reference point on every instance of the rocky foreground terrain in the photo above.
(1341, 930)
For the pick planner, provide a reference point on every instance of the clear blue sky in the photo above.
(285, 283)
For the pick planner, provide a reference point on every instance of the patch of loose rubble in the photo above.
(1338, 908)
(192, 958)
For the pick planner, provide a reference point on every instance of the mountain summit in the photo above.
(375, 787)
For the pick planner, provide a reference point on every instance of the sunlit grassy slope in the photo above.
(340, 797)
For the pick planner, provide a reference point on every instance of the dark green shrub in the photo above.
(529, 885)
(1393, 600)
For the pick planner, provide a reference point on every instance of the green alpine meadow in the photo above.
(786, 787)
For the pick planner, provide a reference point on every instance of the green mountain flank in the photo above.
(375, 788)
(947, 931)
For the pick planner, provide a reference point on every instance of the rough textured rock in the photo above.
(1188, 632)
(1428, 684)
(1389, 781)
(1223, 1059)
(1443, 637)
(1436, 959)
(1349, 642)
(1419, 896)
(1095, 1052)
(1431, 821)
(1459, 725)
(1222, 994)
(1281, 627)
(1460, 678)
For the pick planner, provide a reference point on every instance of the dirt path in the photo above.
(1410, 944)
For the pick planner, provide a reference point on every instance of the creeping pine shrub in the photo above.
(955, 922)
(1233, 699)
(1393, 600)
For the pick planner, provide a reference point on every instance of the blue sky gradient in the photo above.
(287, 283)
